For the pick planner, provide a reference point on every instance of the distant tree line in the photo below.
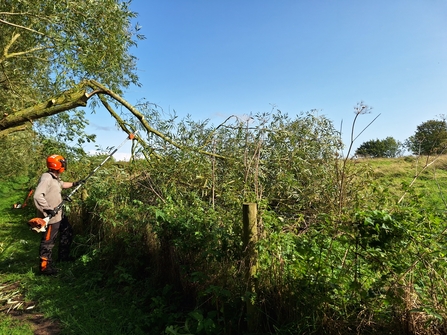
(388, 147)
(430, 138)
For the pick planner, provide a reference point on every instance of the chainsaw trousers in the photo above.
(49, 238)
(66, 238)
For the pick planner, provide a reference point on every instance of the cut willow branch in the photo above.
(95, 85)
(78, 97)
(124, 127)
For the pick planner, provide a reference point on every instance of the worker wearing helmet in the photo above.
(47, 197)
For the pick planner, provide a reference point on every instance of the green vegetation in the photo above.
(81, 299)
(57, 44)
(387, 148)
(429, 138)
(162, 246)
(48, 49)
(342, 246)
(13, 327)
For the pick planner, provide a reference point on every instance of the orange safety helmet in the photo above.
(57, 163)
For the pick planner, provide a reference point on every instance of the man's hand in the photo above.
(79, 182)
(50, 212)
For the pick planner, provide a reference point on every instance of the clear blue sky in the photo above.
(215, 58)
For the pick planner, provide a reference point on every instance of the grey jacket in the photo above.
(48, 195)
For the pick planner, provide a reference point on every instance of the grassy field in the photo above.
(81, 301)
(424, 178)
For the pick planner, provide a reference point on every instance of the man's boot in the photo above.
(46, 268)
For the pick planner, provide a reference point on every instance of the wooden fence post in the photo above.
(250, 236)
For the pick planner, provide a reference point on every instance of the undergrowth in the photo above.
(80, 297)
(175, 265)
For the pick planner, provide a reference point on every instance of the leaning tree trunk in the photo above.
(23, 119)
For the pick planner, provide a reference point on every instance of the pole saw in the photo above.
(39, 225)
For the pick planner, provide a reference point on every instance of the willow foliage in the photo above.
(48, 46)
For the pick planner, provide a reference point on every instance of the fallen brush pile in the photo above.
(13, 304)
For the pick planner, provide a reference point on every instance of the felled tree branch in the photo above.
(95, 85)
(78, 97)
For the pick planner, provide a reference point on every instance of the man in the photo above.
(47, 197)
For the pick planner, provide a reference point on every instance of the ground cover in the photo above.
(76, 301)
(82, 300)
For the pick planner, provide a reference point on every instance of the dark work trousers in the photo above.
(62, 228)
(66, 238)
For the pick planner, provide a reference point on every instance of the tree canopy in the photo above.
(429, 138)
(50, 46)
(387, 148)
